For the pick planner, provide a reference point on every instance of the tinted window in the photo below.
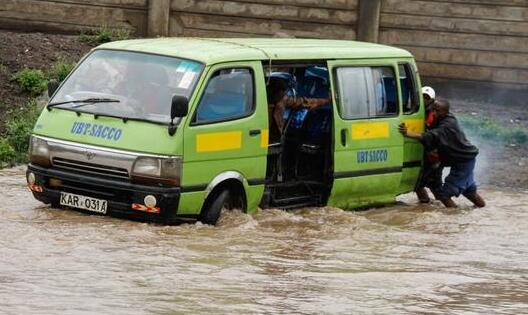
(367, 92)
(228, 95)
(408, 86)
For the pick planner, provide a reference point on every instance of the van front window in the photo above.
(134, 85)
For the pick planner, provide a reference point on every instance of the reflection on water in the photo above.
(406, 258)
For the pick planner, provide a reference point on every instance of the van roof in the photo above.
(215, 50)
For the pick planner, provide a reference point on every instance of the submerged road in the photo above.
(403, 259)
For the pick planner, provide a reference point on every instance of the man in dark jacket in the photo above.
(455, 151)
(431, 175)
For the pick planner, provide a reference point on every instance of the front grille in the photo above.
(90, 168)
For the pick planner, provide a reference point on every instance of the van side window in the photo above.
(386, 101)
(229, 94)
(367, 92)
(409, 94)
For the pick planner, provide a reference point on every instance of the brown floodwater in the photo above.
(401, 259)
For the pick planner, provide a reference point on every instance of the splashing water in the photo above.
(406, 258)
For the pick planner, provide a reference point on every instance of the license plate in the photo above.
(83, 202)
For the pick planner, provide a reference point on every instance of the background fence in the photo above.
(472, 40)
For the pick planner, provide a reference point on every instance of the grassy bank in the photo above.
(14, 141)
(24, 75)
(488, 130)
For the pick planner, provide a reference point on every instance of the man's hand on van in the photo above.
(402, 129)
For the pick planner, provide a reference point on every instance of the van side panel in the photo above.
(413, 149)
(232, 146)
(366, 172)
(368, 149)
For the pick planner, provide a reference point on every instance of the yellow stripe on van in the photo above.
(361, 131)
(218, 141)
(415, 125)
(264, 138)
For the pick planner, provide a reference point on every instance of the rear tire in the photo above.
(211, 213)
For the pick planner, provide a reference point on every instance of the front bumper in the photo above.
(119, 194)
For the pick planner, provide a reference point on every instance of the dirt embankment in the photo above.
(499, 164)
(31, 50)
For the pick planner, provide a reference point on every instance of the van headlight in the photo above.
(39, 152)
(153, 170)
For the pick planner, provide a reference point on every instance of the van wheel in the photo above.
(219, 201)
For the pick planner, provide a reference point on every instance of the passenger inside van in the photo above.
(298, 108)
(278, 101)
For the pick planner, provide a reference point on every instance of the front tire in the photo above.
(211, 213)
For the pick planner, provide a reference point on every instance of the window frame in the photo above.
(215, 121)
(414, 83)
(370, 66)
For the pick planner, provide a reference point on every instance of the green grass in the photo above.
(14, 142)
(104, 34)
(489, 130)
(60, 69)
(8, 156)
(35, 81)
(32, 81)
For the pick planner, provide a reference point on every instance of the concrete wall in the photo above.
(69, 16)
(484, 40)
(300, 18)
(472, 40)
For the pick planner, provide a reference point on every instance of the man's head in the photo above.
(441, 108)
(429, 96)
(276, 90)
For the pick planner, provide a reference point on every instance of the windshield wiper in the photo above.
(86, 101)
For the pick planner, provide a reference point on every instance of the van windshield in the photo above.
(140, 85)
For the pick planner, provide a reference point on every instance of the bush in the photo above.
(8, 155)
(60, 69)
(31, 80)
(20, 127)
(104, 34)
(14, 145)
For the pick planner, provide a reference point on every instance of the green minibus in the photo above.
(178, 129)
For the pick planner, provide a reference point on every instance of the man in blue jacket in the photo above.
(455, 151)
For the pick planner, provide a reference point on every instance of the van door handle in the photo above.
(343, 136)
(254, 132)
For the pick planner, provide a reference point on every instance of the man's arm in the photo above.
(413, 135)
(296, 102)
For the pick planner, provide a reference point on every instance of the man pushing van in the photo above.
(455, 151)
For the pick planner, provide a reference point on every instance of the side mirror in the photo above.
(179, 108)
(53, 85)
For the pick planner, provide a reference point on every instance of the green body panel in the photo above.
(202, 164)
(412, 149)
(254, 196)
(366, 190)
(136, 136)
(191, 202)
(356, 189)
